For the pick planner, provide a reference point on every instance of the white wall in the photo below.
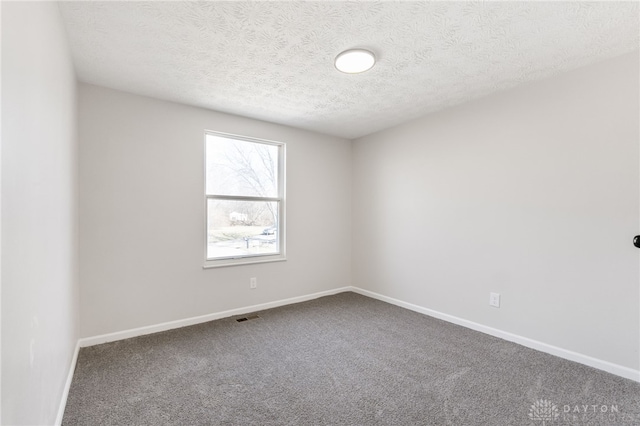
(532, 193)
(142, 214)
(39, 213)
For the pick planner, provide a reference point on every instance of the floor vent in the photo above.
(252, 317)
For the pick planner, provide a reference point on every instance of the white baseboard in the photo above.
(141, 331)
(607, 366)
(67, 385)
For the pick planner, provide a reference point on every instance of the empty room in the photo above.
(320, 213)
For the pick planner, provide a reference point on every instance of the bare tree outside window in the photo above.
(244, 197)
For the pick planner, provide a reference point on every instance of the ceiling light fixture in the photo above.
(355, 61)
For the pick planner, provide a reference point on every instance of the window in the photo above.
(244, 193)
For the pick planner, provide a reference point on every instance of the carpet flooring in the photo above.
(339, 360)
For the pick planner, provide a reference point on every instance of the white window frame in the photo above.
(280, 199)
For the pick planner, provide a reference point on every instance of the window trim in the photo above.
(281, 200)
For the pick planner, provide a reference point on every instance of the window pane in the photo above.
(236, 167)
(241, 228)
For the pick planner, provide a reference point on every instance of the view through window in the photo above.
(244, 196)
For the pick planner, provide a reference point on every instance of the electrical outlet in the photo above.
(494, 299)
(253, 282)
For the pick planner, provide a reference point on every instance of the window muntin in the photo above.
(244, 192)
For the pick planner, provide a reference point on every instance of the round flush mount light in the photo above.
(354, 61)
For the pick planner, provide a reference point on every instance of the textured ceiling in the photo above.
(274, 60)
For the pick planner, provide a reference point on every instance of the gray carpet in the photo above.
(339, 360)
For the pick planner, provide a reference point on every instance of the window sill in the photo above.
(209, 264)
